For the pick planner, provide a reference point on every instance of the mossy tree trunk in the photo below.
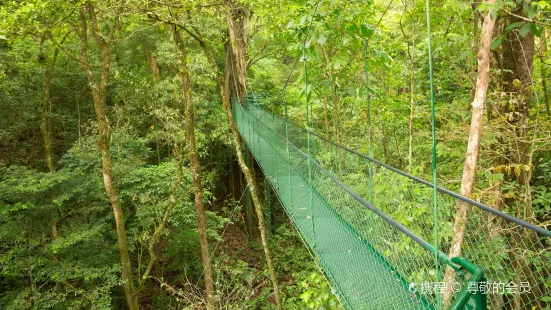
(99, 98)
(195, 165)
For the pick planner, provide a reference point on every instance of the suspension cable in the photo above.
(434, 165)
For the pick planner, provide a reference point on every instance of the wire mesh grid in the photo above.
(516, 259)
(357, 250)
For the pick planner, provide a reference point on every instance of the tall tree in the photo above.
(542, 54)
(473, 144)
(45, 123)
(98, 89)
(411, 57)
(189, 115)
(237, 16)
(517, 57)
(237, 19)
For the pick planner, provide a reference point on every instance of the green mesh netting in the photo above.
(370, 263)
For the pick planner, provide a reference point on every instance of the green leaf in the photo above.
(482, 7)
(536, 29)
(532, 11)
(366, 30)
(525, 29)
(496, 43)
(513, 25)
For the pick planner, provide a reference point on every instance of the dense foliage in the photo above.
(59, 240)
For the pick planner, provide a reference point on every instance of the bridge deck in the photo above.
(361, 276)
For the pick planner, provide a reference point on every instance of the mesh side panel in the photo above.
(366, 269)
(369, 261)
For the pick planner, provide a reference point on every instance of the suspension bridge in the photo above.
(366, 224)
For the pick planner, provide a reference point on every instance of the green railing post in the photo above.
(310, 185)
(288, 155)
(434, 158)
(470, 299)
(249, 204)
(269, 206)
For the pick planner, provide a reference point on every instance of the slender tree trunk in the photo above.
(159, 229)
(195, 166)
(518, 56)
(411, 118)
(45, 125)
(118, 41)
(543, 50)
(411, 56)
(476, 18)
(99, 97)
(224, 86)
(153, 66)
(237, 20)
(473, 146)
(254, 194)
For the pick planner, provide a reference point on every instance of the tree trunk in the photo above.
(117, 35)
(237, 19)
(476, 17)
(411, 56)
(254, 194)
(153, 66)
(224, 87)
(45, 125)
(518, 56)
(543, 50)
(473, 146)
(195, 166)
(99, 97)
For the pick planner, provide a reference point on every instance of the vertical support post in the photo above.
(370, 149)
(289, 188)
(434, 165)
(257, 135)
(249, 204)
(269, 206)
(275, 162)
(310, 185)
(335, 150)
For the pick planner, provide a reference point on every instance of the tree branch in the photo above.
(526, 19)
